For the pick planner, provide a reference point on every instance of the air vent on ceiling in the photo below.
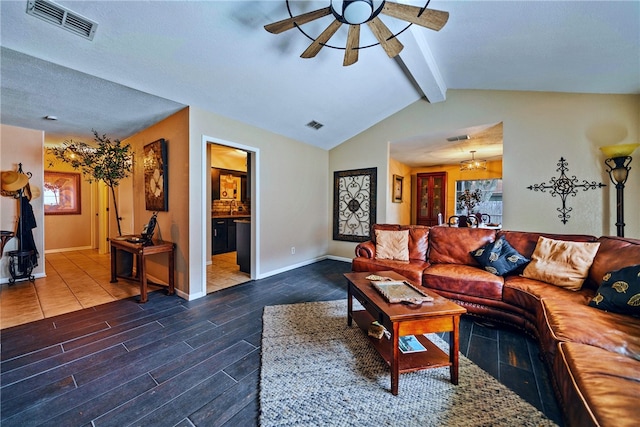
(62, 17)
(458, 138)
(315, 125)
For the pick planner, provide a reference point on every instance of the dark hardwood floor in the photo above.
(172, 362)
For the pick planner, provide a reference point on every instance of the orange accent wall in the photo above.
(494, 170)
(69, 231)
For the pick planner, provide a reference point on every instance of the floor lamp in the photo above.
(618, 160)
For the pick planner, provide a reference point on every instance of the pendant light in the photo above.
(473, 163)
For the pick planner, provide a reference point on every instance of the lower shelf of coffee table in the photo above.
(433, 357)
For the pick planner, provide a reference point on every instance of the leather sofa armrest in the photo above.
(366, 250)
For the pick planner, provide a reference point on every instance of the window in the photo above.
(489, 195)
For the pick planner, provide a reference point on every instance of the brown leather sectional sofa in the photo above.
(593, 355)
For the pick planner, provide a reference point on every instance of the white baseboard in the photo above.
(188, 297)
(79, 248)
(5, 280)
(301, 264)
(339, 258)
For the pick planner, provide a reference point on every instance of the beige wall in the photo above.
(290, 208)
(539, 128)
(19, 145)
(173, 224)
(69, 232)
(360, 153)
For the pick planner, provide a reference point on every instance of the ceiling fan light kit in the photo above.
(357, 12)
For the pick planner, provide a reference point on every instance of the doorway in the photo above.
(229, 193)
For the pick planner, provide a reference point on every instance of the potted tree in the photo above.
(106, 160)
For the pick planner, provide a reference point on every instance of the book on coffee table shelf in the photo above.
(410, 344)
(406, 344)
(400, 291)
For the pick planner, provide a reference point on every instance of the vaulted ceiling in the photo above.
(148, 59)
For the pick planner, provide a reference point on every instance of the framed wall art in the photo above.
(62, 193)
(354, 204)
(397, 189)
(230, 187)
(156, 195)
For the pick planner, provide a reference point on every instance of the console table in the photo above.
(141, 251)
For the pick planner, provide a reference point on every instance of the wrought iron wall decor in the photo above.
(564, 186)
(354, 204)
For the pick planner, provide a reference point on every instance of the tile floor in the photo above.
(80, 279)
(224, 272)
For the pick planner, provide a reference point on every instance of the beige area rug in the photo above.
(317, 371)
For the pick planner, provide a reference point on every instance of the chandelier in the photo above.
(473, 163)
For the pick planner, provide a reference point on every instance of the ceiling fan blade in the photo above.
(351, 50)
(430, 18)
(289, 23)
(390, 44)
(323, 38)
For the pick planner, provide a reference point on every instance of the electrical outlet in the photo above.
(293, 250)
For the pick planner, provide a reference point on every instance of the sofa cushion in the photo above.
(619, 291)
(525, 242)
(499, 257)
(561, 263)
(392, 244)
(614, 253)
(527, 293)
(418, 241)
(560, 321)
(600, 388)
(452, 245)
(463, 279)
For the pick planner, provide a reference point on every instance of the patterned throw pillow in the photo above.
(619, 291)
(392, 245)
(499, 257)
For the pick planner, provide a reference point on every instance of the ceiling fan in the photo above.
(357, 12)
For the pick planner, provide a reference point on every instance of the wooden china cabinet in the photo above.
(431, 197)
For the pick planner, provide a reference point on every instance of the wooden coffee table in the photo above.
(441, 315)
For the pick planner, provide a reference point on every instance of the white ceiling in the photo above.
(150, 58)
